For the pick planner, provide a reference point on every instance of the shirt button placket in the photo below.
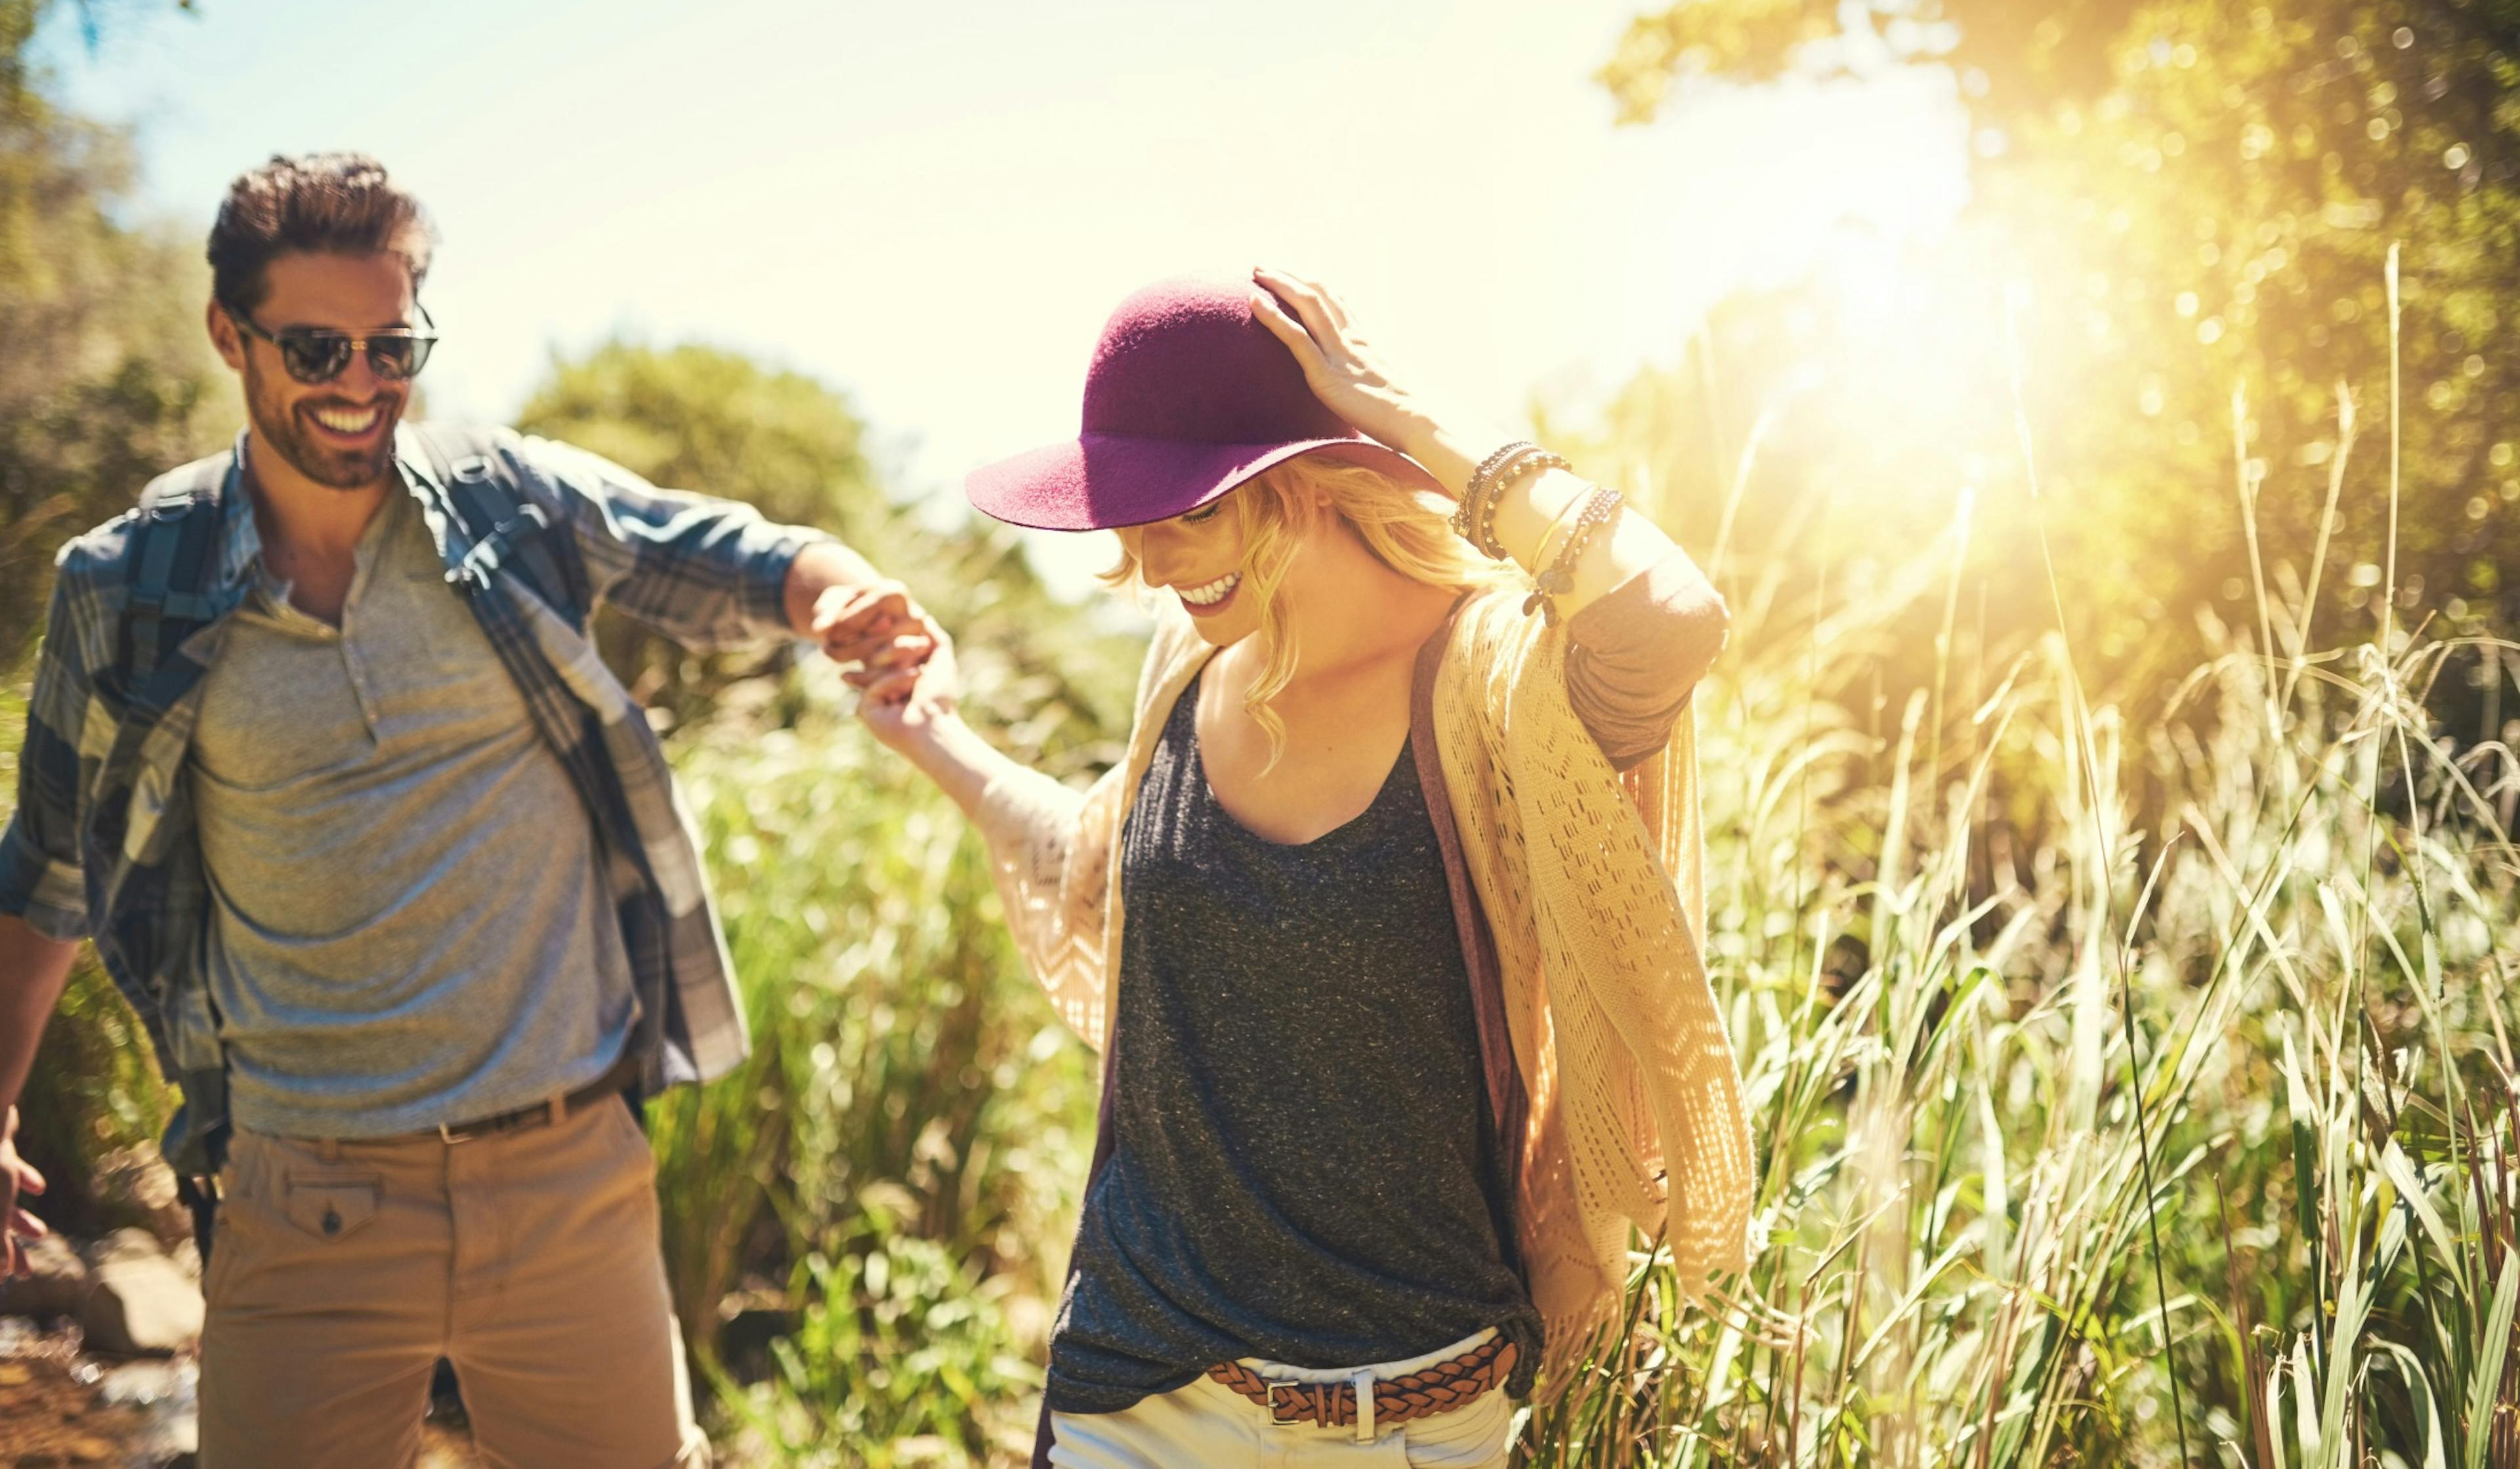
(355, 669)
(355, 659)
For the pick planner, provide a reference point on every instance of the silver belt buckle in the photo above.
(1269, 1409)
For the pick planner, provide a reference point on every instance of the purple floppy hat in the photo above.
(1187, 396)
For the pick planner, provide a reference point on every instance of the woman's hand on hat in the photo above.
(1344, 370)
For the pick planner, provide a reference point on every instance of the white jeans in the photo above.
(1211, 1426)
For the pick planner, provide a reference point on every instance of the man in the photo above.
(321, 757)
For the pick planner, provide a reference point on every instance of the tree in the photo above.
(2208, 193)
(106, 373)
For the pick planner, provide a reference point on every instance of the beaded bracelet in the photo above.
(1538, 461)
(1559, 579)
(1488, 467)
(1496, 475)
(1466, 515)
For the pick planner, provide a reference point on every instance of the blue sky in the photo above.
(934, 207)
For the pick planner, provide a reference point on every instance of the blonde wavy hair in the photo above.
(1408, 530)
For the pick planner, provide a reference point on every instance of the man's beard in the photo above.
(286, 433)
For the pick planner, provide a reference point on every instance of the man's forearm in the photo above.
(32, 970)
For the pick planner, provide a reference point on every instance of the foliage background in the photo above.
(2109, 786)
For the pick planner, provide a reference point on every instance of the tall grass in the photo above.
(2128, 1094)
(1958, 1268)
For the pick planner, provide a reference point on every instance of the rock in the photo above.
(140, 1384)
(141, 1303)
(58, 1284)
(136, 1184)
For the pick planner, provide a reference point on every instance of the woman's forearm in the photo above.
(962, 763)
(1536, 503)
(1642, 621)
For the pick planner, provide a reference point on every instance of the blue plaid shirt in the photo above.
(101, 843)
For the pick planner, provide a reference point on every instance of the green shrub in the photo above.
(899, 1357)
(891, 1176)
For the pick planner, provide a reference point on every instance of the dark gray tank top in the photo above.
(1303, 1165)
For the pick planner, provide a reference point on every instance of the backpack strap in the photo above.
(507, 523)
(167, 568)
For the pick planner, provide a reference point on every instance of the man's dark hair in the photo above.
(338, 203)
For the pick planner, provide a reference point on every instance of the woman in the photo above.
(1360, 1170)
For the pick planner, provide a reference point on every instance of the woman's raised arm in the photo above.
(1644, 622)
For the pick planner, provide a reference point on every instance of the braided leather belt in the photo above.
(1455, 1382)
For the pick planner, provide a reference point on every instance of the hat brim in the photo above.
(1101, 482)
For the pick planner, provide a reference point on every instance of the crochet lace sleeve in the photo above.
(1049, 849)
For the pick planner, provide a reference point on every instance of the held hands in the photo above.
(871, 624)
(902, 663)
(908, 707)
(17, 1227)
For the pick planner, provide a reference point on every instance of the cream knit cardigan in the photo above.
(1592, 885)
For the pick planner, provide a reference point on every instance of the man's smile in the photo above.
(349, 426)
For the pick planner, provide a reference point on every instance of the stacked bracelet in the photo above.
(1474, 520)
(1559, 579)
(1515, 472)
(1466, 516)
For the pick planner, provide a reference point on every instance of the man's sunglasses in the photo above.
(317, 354)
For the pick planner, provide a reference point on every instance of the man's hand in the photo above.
(859, 615)
(873, 626)
(32, 970)
(17, 1177)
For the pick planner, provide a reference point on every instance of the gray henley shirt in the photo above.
(411, 925)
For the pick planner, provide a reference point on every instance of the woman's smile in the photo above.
(1208, 599)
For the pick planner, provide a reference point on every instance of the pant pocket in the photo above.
(329, 1205)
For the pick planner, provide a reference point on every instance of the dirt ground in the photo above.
(62, 1409)
(56, 1420)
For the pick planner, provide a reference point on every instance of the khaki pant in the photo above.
(1210, 1425)
(343, 1270)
